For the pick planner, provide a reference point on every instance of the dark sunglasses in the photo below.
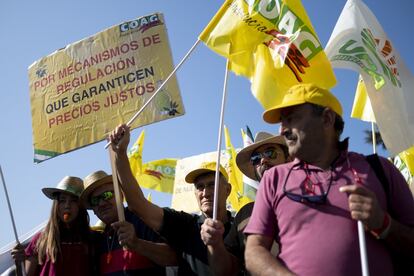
(318, 199)
(108, 195)
(256, 157)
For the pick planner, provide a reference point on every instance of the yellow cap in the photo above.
(204, 168)
(300, 94)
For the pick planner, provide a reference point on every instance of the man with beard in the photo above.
(313, 203)
(227, 257)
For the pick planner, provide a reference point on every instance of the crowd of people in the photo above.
(311, 194)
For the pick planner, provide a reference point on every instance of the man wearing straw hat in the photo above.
(180, 229)
(313, 203)
(266, 151)
(128, 247)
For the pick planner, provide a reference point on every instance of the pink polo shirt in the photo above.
(322, 239)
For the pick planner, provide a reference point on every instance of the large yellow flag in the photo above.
(271, 42)
(158, 175)
(236, 198)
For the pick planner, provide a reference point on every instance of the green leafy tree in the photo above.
(378, 138)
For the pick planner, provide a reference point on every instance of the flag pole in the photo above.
(119, 205)
(23, 270)
(160, 87)
(361, 228)
(374, 141)
(363, 249)
(220, 132)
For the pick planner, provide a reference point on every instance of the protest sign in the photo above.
(81, 92)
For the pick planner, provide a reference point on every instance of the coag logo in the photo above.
(141, 24)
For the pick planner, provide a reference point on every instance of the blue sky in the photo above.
(33, 29)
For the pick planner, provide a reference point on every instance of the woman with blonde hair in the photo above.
(66, 245)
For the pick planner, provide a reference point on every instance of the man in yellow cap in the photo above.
(312, 203)
(181, 230)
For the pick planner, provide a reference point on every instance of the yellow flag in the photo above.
(362, 108)
(236, 198)
(135, 155)
(158, 175)
(407, 158)
(270, 42)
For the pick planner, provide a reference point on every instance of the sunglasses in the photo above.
(256, 157)
(108, 195)
(309, 198)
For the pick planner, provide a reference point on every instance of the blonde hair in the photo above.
(48, 245)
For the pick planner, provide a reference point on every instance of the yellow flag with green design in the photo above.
(271, 42)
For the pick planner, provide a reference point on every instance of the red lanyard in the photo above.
(358, 180)
(308, 183)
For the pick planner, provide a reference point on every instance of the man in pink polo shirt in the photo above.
(312, 204)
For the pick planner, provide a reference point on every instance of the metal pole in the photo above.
(160, 87)
(12, 218)
(220, 132)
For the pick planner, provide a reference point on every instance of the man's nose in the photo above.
(263, 160)
(283, 129)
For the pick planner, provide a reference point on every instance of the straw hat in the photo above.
(69, 184)
(243, 157)
(91, 182)
(205, 168)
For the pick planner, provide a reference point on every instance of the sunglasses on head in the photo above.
(104, 196)
(256, 157)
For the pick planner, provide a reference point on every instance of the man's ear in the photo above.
(328, 116)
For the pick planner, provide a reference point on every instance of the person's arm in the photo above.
(150, 213)
(30, 262)
(220, 260)
(401, 238)
(259, 260)
(31, 266)
(160, 253)
(364, 206)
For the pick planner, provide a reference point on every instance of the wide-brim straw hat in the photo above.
(206, 167)
(243, 157)
(91, 182)
(69, 184)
